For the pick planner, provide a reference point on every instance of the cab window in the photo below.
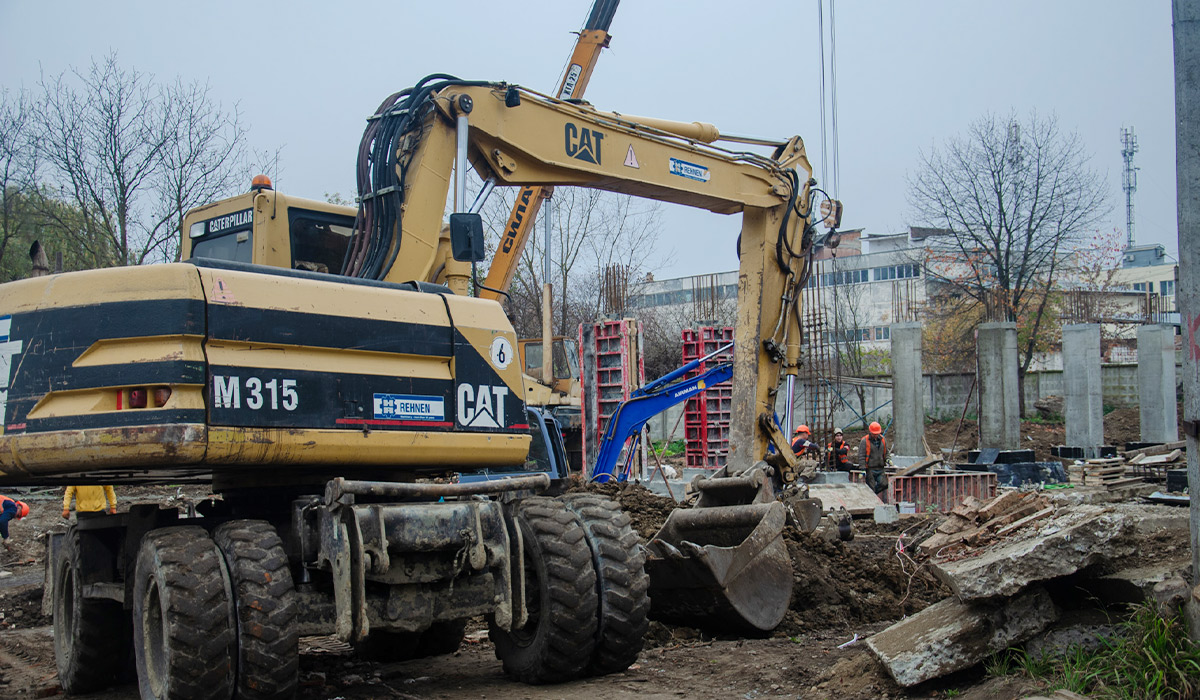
(235, 245)
(319, 239)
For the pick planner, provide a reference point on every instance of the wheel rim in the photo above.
(154, 639)
(64, 623)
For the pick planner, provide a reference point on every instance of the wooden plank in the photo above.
(1044, 513)
(1118, 483)
(921, 465)
(1106, 461)
(1163, 449)
(1002, 520)
(1106, 471)
(953, 524)
(1001, 504)
(1136, 459)
(965, 512)
(1162, 459)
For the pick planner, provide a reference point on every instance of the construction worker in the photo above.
(838, 453)
(872, 454)
(802, 446)
(10, 510)
(89, 501)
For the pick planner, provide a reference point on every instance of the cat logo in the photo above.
(583, 144)
(481, 406)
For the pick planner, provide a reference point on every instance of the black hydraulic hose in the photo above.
(376, 239)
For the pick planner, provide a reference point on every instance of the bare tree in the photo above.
(133, 155)
(17, 165)
(1017, 198)
(590, 232)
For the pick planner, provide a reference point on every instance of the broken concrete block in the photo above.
(1080, 538)
(1171, 594)
(952, 635)
(1131, 585)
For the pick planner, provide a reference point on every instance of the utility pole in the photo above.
(1129, 182)
(1185, 15)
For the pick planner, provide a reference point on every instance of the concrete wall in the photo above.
(944, 397)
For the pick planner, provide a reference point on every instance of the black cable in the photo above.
(382, 174)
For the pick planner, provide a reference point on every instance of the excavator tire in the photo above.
(268, 655)
(557, 641)
(91, 637)
(621, 581)
(183, 618)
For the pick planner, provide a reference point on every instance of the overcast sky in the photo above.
(306, 74)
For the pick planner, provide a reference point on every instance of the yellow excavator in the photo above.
(331, 412)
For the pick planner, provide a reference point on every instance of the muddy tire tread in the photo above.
(198, 612)
(564, 636)
(268, 656)
(621, 582)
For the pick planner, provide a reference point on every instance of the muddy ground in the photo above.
(841, 590)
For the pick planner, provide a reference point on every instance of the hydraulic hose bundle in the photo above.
(381, 172)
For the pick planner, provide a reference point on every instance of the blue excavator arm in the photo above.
(646, 402)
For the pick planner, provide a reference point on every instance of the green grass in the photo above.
(674, 449)
(1152, 657)
(1052, 419)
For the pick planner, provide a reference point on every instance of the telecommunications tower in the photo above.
(1129, 182)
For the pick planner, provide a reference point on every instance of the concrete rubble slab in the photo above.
(1079, 538)
(857, 499)
(1132, 585)
(951, 635)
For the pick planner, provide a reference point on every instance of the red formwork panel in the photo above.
(942, 492)
(619, 370)
(706, 416)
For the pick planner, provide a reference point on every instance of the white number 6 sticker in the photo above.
(502, 353)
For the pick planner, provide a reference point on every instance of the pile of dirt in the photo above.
(843, 585)
(1123, 425)
(836, 585)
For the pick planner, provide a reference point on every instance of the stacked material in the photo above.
(974, 523)
(1109, 473)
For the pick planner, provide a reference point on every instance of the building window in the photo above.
(883, 333)
(1140, 287)
(1166, 288)
(897, 272)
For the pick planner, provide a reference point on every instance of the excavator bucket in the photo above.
(722, 566)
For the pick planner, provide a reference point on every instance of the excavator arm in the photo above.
(518, 136)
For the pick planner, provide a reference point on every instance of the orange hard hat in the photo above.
(875, 428)
(22, 509)
(802, 428)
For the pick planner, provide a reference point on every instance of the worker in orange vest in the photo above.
(10, 510)
(802, 446)
(872, 454)
(838, 453)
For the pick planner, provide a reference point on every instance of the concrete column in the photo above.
(1156, 383)
(999, 406)
(908, 390)
(1185, 28)
(1083, 395)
